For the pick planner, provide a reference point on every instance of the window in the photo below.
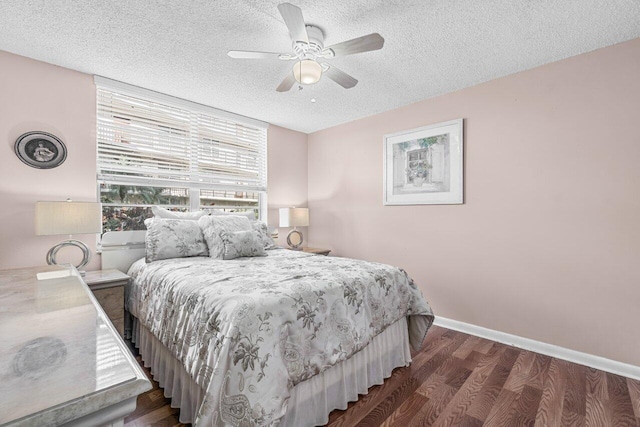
(157, 150)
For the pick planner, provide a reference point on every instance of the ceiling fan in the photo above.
(308, 48)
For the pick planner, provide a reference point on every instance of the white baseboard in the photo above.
(597, 362)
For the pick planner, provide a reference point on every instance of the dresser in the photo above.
(62, 362)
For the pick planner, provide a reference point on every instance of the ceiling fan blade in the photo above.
(340, 77)
(287, 83)
(245, 54)
(292, 16)
(361, 44)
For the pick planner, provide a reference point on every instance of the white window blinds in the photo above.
(146, 138)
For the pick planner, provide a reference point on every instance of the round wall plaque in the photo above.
(40, 150)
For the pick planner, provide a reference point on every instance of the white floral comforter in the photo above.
(248, 330)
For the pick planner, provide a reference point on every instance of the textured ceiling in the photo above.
(432, 47)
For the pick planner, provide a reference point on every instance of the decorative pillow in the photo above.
(173, 238)
(213, 226)
(262, 231)
(241, 244)
(159, 212)
(249, 214)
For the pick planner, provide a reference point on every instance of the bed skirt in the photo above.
(312, 400)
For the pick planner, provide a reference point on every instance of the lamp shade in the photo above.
(307, 72)
(294, 217)
(68, 218)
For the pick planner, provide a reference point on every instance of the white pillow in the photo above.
(249, 214)
(159, 212)
(173, 238)
(214, 225)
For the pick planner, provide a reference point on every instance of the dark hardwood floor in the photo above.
(153, 409)
(462, 380)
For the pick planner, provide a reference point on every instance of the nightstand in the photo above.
(317, 251)
(108, 288)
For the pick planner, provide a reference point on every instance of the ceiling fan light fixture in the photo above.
(307, 48)
(307, 72)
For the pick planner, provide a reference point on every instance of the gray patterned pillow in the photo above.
(213, 226)
(262, 231)
(241, 244)
(173, 238)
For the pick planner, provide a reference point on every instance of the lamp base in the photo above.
(86, 254)
(295, 246)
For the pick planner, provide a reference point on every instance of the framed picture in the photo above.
(40, 150)
(423, 166)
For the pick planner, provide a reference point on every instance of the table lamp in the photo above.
(56, 218)
(294, 217)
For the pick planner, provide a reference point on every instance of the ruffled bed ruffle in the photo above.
(311, 401)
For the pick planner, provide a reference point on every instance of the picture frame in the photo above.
(40, 150)
(424, 166)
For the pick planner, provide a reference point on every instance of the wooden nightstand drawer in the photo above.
(108, 288)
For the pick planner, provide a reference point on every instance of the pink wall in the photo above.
(38, 96)
(545, 246)
(287, 174)
(547, 243)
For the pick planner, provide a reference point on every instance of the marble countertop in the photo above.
(60, 357)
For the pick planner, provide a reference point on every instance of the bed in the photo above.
(281, 339)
